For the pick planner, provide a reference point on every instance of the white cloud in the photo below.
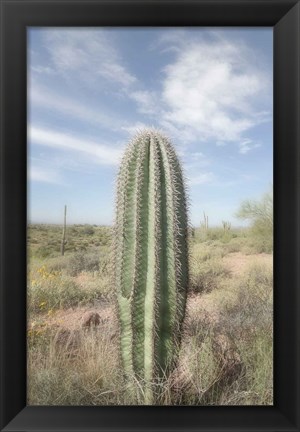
(170, 40)
(247, 145)
(213, 92)
(102, 154)
(146, 101)
(90, 54)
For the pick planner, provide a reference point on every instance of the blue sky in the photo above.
(91, 89)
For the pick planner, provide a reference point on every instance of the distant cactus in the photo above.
(204, 224)
(151, 258)
(63, 240)
(226, 226)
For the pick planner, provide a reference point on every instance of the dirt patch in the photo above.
(237, 262)
(202, 305)
(208, 304)
(71, 319)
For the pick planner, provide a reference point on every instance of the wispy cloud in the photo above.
(43, 70)
(247, 145)
(195, 161)
(146, 101)
(89, 54)
(41, 97)
(101, 154)
(135, 127)
(200, 179)
(171, 40)
(44, 174)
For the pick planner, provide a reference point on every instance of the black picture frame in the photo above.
(284, 17)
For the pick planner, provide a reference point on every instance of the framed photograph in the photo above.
(144, 285)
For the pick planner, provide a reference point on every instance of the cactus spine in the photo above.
(151, 257)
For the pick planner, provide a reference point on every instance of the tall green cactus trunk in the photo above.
(151, 258)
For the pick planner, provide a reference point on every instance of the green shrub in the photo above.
(236, 244)
(57, 264)
(44, 251)
(88, 230)
(260, 215)
(80, 262)
(207, 276)
(56, 292)
(252, 310)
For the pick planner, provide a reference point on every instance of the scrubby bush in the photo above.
(260, 215)
(49, 291)
(88, 230)
(207, 269)
(253, 308)
(44, 251)
(80, 262)
(249, 321)
(54, 293)
(208, 276)
(237, 244)
(57, 264)
(104, 236)
(96, 261)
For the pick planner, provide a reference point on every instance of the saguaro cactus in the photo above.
(151, 257)
(63, 240)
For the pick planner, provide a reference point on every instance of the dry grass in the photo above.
(207, 269)
(73, 368)
(230, 301)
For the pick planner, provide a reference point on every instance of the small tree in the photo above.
(260, 214)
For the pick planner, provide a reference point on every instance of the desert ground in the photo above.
(226, 352)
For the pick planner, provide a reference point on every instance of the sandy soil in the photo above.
(72, 319)
(236, 262)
